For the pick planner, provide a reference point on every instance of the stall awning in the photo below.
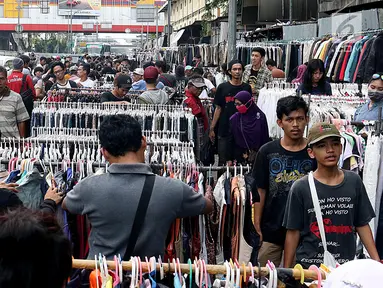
(175, 37)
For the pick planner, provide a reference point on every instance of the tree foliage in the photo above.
(50, 43)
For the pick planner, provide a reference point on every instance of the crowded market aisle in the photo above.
(143, 149)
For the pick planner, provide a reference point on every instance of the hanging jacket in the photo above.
(374, 61)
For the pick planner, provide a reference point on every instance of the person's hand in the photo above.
(9, 186)
(52, 194)
(79, 85)
(229, 163)
(212, 135)
(253, 90)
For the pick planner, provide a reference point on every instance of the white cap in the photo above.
(139, 71)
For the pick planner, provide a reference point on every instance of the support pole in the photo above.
(156, 26)
(291, 12)
(232, 37)
(169, 18)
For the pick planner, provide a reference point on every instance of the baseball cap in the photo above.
(73, 68)
(188, 67)
(124, 81)
(197, 82)
(151, 73)
(139, 71)
(322, 131)
(18, 63)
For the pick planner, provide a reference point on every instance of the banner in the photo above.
(80, 7)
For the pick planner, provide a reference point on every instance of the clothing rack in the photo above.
(82, 105)
(210, 269)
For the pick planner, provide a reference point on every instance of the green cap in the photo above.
(321, 131)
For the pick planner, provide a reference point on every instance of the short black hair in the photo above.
(26, 59)
(260, 50)
(224, 67)
(161, 64)
(38, 69)
(120, 134)
(86, 67)
(271, 62)
(198, 71)
(43, 58)
(57, 63)
(198, 56)
(151, 81)
(148, 64)
(288, 104)
(231, 64)
(4, 71)
(27, 239)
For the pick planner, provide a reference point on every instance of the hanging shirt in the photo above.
(365, 112)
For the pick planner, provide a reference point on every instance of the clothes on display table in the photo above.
(352, 58)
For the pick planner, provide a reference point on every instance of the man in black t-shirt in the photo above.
(277, 166)
(225, 108)
(122, 84)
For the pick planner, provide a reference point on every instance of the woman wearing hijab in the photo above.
(301, 72)
(249, 129)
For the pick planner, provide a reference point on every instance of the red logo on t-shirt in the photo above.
(229, 99)
(328, 228)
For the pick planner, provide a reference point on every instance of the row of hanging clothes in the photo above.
(346, 98)
(167, 118)
(85, 95)
(155, 272)
(35, 162)
(211, 55)
(274, 51)
(351, 58)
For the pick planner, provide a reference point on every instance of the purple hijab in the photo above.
(250, 130)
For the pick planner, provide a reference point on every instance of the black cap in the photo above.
(124, 81)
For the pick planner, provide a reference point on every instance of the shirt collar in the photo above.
(137, 168)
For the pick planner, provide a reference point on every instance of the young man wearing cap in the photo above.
(343, 201)
(138, 80)
(15, 80)
(188, 71)
(122, 85)
(152, 95)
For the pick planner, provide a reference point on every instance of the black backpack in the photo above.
(27, 95)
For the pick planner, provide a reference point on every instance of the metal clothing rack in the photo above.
(210, 269)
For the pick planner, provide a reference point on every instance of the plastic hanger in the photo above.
(228, 271)
(300, 268)
(319, 274)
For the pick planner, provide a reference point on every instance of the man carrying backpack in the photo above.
(23, 85)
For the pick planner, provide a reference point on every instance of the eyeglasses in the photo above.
(377, 76)
(58, 72)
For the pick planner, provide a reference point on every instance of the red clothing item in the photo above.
(197, 108)
(16, 79)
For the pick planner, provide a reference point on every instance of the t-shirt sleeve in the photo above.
(21, 112)
(193, 203)
(261, 170)
(294, 213)
(209, 84)
(364, 211)
(74, 201)
(219, 98)
(105, 97)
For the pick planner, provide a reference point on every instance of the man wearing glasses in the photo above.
(58, 69)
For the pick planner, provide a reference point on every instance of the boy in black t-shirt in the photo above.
(343, 201)
(277, 166)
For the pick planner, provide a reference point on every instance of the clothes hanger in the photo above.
(319, 274)
(300, 268)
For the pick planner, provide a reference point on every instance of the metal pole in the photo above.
(156, 26)
(291, 12)
(71, 26)
(97, 31)
(169, 18)
(147, 32)
(142, 36)
(232, 37)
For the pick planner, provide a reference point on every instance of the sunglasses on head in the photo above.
(377, 76)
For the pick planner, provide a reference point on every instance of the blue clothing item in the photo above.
(12, 177)
(141, 86)
(29, 190)
(354, 58)
(366, 113)
(316, 90)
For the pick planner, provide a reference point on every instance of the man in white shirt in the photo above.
(222, 76)
(83, 72)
